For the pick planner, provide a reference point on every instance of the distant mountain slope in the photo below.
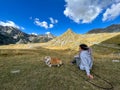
(110, 29)
(6, 40)
(66, 38)
(71, 40)
(11, 35)
(41, 38)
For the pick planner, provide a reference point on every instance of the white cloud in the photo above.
(11, 23)
(85, 11)
(45, 24)
(112, 13)
(36, 19)
(34, 34)
(56, 21)
(22, 28)
(51, 26)
(53, 21)
(42, 24)
(47, 33)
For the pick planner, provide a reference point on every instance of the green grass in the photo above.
(115, 40)
(35, 75)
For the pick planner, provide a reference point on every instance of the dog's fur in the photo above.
(52, 61)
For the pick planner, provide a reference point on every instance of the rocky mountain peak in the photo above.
(66, 38)
(49, 35)
(13, 35)
(69, 32)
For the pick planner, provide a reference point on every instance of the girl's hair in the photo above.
(84, 46)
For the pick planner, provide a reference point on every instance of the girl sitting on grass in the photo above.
(85, 59)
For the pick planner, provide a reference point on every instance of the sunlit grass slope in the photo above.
(71, 40)
(22, 66)
(21, 46)
(35, 75)
(68, 40)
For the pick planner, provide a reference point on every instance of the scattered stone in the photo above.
(115, 60)
(15, 71)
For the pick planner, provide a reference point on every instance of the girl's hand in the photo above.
(90, 76)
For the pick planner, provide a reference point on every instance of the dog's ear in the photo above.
(49, 57)
(46, 57)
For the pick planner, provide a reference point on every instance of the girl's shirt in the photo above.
(86, 61)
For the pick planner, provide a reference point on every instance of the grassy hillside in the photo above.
(72, 40)
(113, 42)
(33, 74)
(69, 40)
(22, 66)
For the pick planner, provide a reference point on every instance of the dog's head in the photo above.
(47, 59)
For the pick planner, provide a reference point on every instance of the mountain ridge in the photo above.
(71, 40)
(110, 29)
(68, 36)
(16, 36)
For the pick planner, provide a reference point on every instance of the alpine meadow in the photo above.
(22, 66)
(59, 44)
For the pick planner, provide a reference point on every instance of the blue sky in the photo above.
(56, 16)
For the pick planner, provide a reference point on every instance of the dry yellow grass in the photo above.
(33, 74)
(72, 40)
(68, 40)
(21, 46)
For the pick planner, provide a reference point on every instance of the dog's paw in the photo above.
(58, 65)
(50, 65)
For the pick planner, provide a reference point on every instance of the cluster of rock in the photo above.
(12, 35)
